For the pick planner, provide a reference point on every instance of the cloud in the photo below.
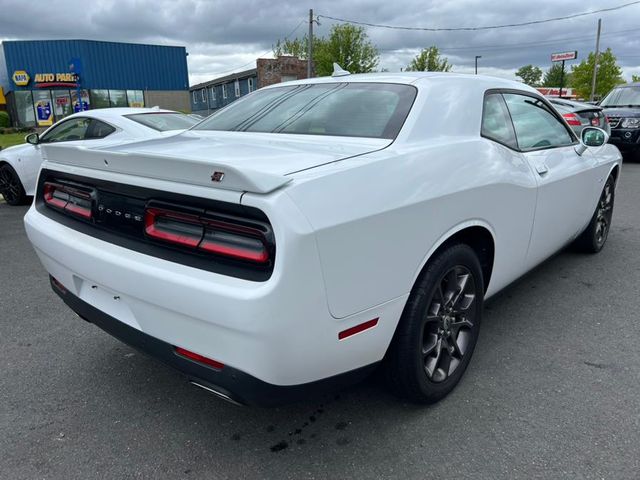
(225, 36)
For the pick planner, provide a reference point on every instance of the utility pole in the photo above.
(310, 44)
(595, 64)
(561, 80)
(477, 57)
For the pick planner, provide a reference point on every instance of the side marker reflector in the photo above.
(357, 329)
(199, 358)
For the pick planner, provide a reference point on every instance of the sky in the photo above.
(223, 37)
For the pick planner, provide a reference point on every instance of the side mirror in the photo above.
(591, 137)
(32, 138)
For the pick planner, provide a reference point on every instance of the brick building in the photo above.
(207, 97)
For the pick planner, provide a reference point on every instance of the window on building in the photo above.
(203, 95)
(118, 98)
(135, 98)
(236, 86)
(85, 100)
(44, 107)
(100, 98)
(194, 96)
(224, 91)
(62, 104)
(288, 78)
(250, 84)
(212, 94)
(24, 108)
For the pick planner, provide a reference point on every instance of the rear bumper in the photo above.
(229, 383)
(279, 332)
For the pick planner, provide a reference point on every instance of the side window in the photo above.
(536, 126)
(67, 131)
(496, 122)
(98, 129)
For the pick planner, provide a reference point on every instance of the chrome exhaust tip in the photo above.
(217, 393)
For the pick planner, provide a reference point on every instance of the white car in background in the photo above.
(19, 165)
(312, 230)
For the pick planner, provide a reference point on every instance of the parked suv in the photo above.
(622, 108)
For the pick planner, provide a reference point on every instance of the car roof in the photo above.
(417, 78)
(109, 113)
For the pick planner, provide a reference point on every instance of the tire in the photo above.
(439, 327)
(594, 237)
(11, 187)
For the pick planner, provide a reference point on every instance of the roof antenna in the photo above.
(338, 71)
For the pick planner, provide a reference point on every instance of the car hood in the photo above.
(243, 161)
(16, 149)
(631, 112)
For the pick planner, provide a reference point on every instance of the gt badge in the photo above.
(217, 176)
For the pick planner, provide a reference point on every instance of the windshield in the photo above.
(164, 121)
(375, 110)
(622, 97)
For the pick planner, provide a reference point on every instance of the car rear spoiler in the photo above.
(193, 171)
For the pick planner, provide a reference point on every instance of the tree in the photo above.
(553, 76)
(348, 46)
(429, 60)
(531, 75)
(609, 74)
(296, 47)
(635, 78)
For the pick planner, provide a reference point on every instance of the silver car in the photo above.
(579, 115)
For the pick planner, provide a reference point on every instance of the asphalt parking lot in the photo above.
(553, 390)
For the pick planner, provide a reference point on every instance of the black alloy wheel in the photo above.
(449, 323)
(439, 327)
(11, 187)
(595, 235)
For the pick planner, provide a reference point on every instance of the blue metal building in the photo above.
(209, 96)
(41, 78)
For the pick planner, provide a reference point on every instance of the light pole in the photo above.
(477, 57)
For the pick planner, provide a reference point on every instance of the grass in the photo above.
(11, 139)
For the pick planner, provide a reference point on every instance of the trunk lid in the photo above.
(238, 161)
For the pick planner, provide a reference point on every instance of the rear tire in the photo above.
(439, 327)
(11, 187)
(594, 237)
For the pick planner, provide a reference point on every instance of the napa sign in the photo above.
(20, 78)
(55, 77)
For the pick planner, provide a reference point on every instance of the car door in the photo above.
(70, 130)
(75, 131)
(566, 181)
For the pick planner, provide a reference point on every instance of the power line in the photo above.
(491, 27)
(261, 55)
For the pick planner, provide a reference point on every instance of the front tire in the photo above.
(11, 187)
(439, 327)
(592, 240)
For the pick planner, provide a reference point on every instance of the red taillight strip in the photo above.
(67, 205)
(201, 242)
(242, 253)
(151, 229)
(357, 329)
(572, 119)
(199, 358)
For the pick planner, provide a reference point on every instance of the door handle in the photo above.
(541, 168)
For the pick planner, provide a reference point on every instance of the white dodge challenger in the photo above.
(313, 230)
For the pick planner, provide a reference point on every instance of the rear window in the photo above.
(375, 110)
(164, 121)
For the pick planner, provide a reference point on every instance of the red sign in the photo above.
(559, 57)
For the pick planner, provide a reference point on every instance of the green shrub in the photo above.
(4, 119)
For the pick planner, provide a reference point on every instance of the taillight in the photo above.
(572, 119)
(606, 120)
(69, 199)
(207, 235)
